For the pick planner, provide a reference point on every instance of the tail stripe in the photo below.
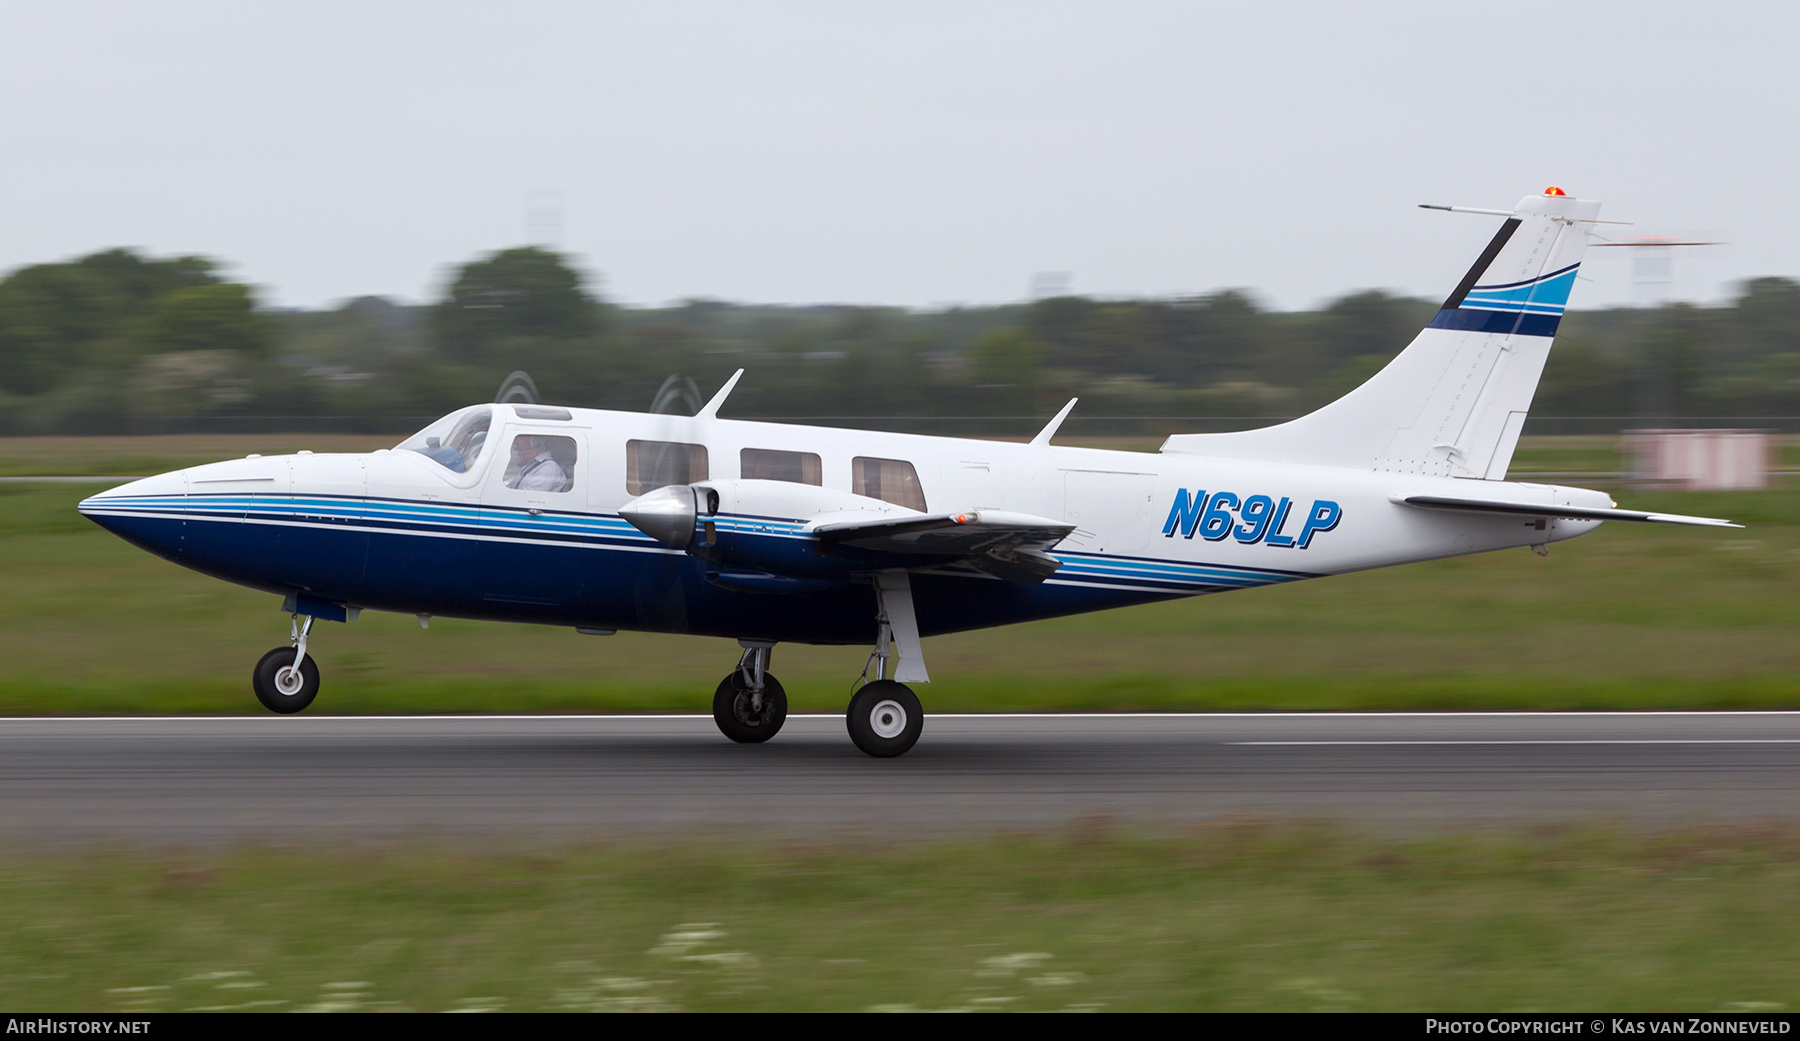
(1529, 281)
(1506, 323)
(1482, 262)
(1533, 307)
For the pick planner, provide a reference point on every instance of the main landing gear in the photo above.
(750, 705)
(884, 718)
(286, 680)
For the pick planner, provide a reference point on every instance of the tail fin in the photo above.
(1453, 402)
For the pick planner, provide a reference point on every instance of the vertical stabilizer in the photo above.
(1453, 402)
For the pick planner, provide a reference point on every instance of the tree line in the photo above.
(121, 342)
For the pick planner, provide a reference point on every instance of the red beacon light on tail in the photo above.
(1554, 190)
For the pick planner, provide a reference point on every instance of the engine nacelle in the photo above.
(759, 525)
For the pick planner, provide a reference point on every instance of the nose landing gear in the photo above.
(750, 704)
(286, 680)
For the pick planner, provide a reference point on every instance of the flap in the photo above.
(1009, 546)
(951, 534)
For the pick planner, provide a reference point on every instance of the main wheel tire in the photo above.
(735, 711)
(278, 688)
(885, 719)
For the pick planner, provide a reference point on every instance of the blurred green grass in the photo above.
(1237, 915)
(142, 456)
(1629, 616)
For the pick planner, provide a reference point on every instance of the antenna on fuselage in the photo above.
(1044, 435)
(711, 409)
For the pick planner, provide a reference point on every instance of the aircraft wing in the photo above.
(1011, 546)
(1533, 509)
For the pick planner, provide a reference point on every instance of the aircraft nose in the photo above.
(147, 512)
(162, 486)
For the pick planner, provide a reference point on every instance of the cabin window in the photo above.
(763, 464)
(890, 480)
(455, 441)
(650, 465)
(541, 463)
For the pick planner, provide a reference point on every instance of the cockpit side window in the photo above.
(454, 442)
(541, 463)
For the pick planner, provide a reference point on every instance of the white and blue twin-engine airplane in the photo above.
(766, 532)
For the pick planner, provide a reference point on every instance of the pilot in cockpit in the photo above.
(538, 469)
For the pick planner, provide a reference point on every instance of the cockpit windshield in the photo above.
(454, 442)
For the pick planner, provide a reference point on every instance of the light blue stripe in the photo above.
(1553, 290)
(1194, 579)
(1205, 576)
(1177, 566)
(1483, 305)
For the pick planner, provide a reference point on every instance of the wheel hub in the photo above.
(747, 709)
(887, 719)
(288, 681)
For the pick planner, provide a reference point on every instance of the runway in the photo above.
(202, 780)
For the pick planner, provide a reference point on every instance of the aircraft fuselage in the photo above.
(396, 530)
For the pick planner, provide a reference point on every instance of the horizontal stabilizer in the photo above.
(1533, 509)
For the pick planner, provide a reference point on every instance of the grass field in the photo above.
(1241, 915)
(1630, 616)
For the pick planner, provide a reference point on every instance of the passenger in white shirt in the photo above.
(538, 472)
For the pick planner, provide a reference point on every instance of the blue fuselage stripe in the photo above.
(509, 564)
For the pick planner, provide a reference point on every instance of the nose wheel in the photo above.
(885, 719)
(286, 680)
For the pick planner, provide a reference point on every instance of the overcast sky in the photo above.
(910, 153)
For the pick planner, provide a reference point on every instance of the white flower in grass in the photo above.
(342, 996)
(1056, 979)
(1011, 964)
(610, 994)
(139, 999)
(681, 943)
(684, 938)
(1752, 1006)
(214, 977)
(1325, 997)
